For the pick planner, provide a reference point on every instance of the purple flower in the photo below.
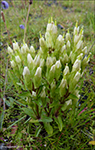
(4, 5)
(21, 26)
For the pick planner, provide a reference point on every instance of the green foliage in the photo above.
(75, 131)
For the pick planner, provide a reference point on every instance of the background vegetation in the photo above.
(74, 136)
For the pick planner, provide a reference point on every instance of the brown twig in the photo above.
(2, 14)
(26, 21)
(5, 85)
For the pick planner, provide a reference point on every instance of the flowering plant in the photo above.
(50, 76)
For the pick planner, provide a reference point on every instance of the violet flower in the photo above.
(4, 5)
(21, 26)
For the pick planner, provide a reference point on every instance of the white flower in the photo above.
(58, 64)
(76, 30)
(42, 42)
(41, 62)
(52, 69)
(32, 50)
(24, 49)
(38, 72)
(63, 48)
(77, 65)
(66, 70)
(15, 46)
(63, 83)
(37, 60)
(26, 71)
(68, 44)
(54, 29)
(10, 51)
(76, 39)
(43, 93)
(17, 58)
(49, 62)
(77, 76)
(79, 44)
(60, 38)
(49, 27)
(68, 37)
(69, 102)
(29, 59)
(13, 64)
(80, 56)
(33, 94)
(85, 51)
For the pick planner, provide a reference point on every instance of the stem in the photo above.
(2, 14)
(5, 85)
(26, 21)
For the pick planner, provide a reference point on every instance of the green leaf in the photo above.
(48, 128)
(38, 130)
(1, 119)
(29, 112)
(59, 122)
(46, 119)
(16, 121)
(25, 94)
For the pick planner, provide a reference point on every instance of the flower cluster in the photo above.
(52, 73)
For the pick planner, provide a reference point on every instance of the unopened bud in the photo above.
(69, 102)
(17, 58)
(43, 93)
(29, 59)
(60, 38)
(66, 70)
(79, 45)
(10, 51)
(38, 72)
(26, 71)
(13, 64)
(24, 49)
(77, 76)
(15, 46)
(76, 65)
(85, 51)
(49, 62)
(68, 44)
(68, 37)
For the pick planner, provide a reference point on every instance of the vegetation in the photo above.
(78, 125)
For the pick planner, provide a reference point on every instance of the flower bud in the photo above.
(13, 64)
(51, 74)
(17, 58)
(41, 62)
(43, 93)
(37, 61)
(68, 44)
(58, 64)
(49, 27)
(26, 71)
(77, 76)
(15, 46)
(24, 49)
(69, 102)
(76, 30)
(63, 48)
(60, 38)
(10, 51)
(34, 94)
(76, 65)
(66, 71)
(32, 51)
(76, 39)
(68, 37)
(54, 29)
(80, 57)
(29, 59)
(63, 86)
(57, 69)
(42, 42)
(49, 62)
(38, 72)
(37, 77)
(85, 51)
(79, 45)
